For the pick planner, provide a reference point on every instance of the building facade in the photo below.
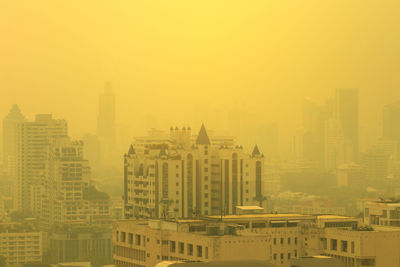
(182, 178)
(20, 245)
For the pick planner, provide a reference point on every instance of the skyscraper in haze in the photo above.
(391, 121)
(10, 126)
(106, 122)
(32, 142)
(346, 107)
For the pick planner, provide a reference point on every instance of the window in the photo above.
(172, 246)
(295, 253)
(205, 187)
(164, 242)
(199, 251)
(333, 244)
(274, 241)
(181, 247)
(324, 243)
(274, 256)
(288, 240)
(206, 256)
(352, 247)
(190, 249)
(123, 237)
(205, 178)
(288, 256)
(368, 262)
(137, 240)
(282, 240)
(206, 195)
(282, 257)
(295, 240)
(384, 214)
(343, 246)
(130, 238)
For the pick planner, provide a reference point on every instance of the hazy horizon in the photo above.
(180, 63)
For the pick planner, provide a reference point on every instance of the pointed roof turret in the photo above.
(202, 138)
(131, 150)
(15, 113)
(163, 152)
(256, 151)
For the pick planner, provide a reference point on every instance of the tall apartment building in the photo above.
(10, 126)
(181, 177)
(70, 197)
(33, 139)
(52, 178)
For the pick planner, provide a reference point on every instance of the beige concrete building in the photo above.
(384, 213)
(356, 248)
(21, 245)
(178, 177)
(276, 238)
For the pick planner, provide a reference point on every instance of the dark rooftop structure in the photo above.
(202, 138)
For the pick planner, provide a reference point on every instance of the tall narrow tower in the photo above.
(10, 126)
(347, 114)
(106, 122)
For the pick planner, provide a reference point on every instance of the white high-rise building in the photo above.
(32, 141)
(182, 177)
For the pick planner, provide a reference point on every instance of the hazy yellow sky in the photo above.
(168, 59)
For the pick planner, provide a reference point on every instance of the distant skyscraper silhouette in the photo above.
(347, 112)
(391, 121)
(10, 124)
(106, 122)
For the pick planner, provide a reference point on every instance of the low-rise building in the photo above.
(276, 238)
(79, 243)
(362, 247)
(21, 243)
(384, 213)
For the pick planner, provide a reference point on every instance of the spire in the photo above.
(15, 113)
(256, 151)
(131, 151)
(202, 138)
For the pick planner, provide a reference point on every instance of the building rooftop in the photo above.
(263, 216)
(247, 263)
